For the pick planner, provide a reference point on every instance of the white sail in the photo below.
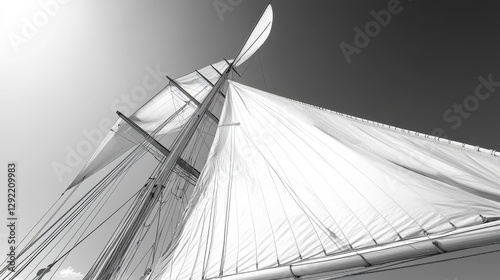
(257, 37)
(287, 182)
(152, 115)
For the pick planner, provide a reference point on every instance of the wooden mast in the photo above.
(191, 127)
(180, 162)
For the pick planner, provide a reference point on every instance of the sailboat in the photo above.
(252, 185)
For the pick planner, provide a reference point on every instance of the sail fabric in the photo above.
(168, 103)
(257, 37)
(286, 181)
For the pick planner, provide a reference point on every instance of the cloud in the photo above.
(69, 273)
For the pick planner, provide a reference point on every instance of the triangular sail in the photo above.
(168, 103)
(257, 37)
(287, 182)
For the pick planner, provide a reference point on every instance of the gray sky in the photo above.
(63, 75)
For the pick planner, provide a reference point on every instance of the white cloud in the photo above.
(69, 273)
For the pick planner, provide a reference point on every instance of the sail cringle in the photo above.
(169, 101)
(287, 181)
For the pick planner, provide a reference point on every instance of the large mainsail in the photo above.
(287, 182)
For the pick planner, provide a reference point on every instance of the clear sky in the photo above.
(67, 66)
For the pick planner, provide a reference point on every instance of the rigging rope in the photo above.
(111, 192)
(262, 70)
(80, 217)
(96, 228)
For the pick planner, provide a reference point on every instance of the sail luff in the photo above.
(458, 240)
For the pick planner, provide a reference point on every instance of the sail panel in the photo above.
(168, 104)
(257, 37)
(287, 182)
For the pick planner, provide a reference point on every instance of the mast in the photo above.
(144, 205)
(180, 162)
(153, 189)
(191, 127)
(255, 39)
(110, 262)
